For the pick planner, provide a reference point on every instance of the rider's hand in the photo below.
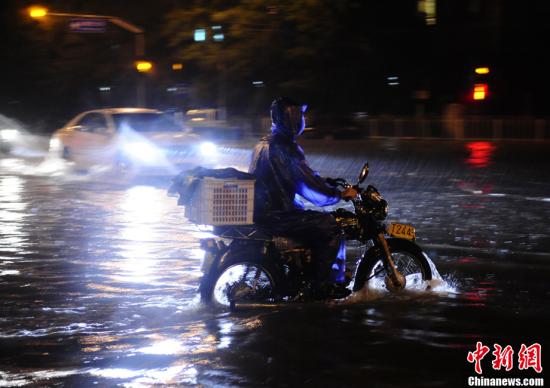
(349, 193)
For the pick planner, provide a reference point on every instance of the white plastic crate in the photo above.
(222, 202)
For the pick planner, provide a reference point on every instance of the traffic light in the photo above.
(480, 92)
(481, 87)
(482, 70)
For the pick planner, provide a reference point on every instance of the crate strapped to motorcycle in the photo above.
(216, 196)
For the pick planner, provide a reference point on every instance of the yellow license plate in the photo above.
(402, 231)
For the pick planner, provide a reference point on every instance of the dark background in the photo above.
(336, 55)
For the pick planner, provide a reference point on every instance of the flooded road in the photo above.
(98, 278)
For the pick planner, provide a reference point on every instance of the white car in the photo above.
(130, 138)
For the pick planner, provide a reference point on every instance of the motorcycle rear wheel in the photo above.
(407, 257)
(243, 282)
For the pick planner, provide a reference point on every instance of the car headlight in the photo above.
(141, 150)
(55, 145)
(9, 134)
(208, 149)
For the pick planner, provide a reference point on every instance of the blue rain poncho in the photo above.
(281, 169)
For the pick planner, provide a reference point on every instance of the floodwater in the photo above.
(98, 278)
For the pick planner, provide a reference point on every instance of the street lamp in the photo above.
(37, 12)
(144, 66)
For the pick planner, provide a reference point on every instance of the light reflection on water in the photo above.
(168, 346)
(12, 213)
(180, 374)
(138, 212)
(225, 333)
(481, 153)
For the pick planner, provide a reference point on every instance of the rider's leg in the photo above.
(320, 232)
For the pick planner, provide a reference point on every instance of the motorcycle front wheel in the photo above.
(244, 282)
(407, 257)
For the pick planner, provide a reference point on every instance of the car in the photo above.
(130, 138)
(211, 123)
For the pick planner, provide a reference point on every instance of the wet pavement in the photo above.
(98, 278)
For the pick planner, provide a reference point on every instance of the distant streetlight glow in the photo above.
(482, 70)
(144, 66)
(37, 12)
(217, 34)
(428, 8)
(177, 66)
(200, 35)
(393, 80)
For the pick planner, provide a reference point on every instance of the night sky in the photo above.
(48, 74)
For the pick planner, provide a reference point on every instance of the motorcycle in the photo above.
(257, 268)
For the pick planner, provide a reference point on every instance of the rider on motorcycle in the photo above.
(282, 173)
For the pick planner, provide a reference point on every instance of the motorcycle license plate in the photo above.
(402, 231)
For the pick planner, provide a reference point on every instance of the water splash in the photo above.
(16, 140)
(376, 289)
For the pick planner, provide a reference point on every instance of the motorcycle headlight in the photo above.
(375, 202)
(380, 211)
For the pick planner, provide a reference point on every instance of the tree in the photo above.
(308, 49)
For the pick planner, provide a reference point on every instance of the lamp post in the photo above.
(37, 12)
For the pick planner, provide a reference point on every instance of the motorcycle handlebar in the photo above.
(337, 182)
(342, 183)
